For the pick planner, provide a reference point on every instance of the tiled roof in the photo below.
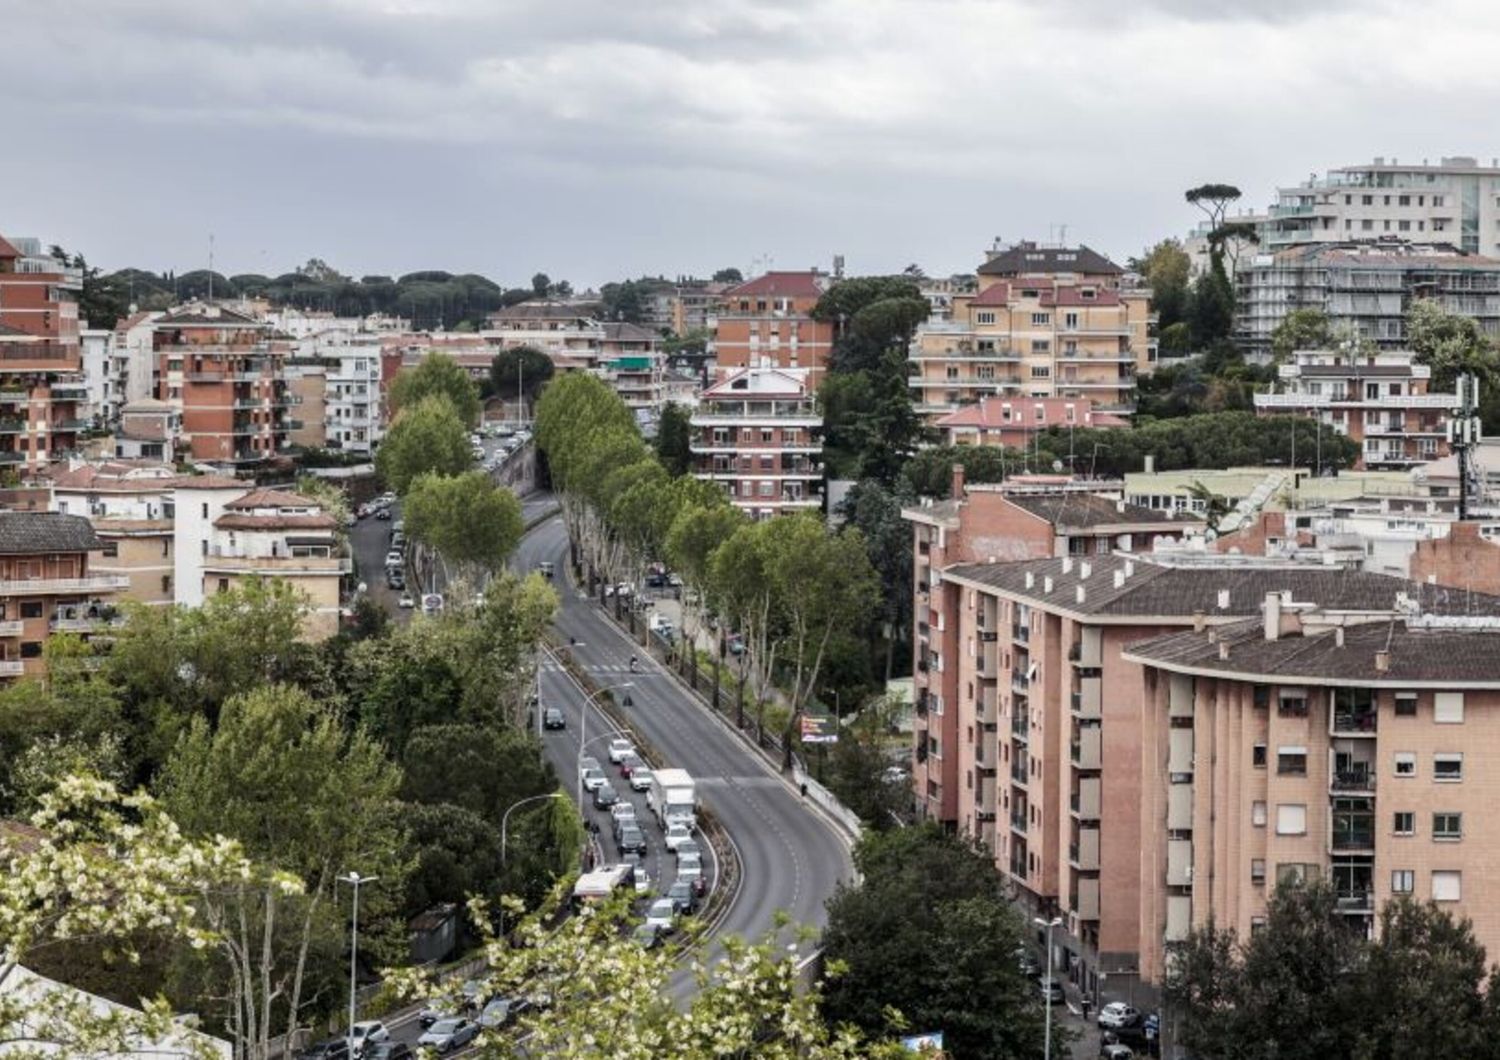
(7, 250)
(782, 284)
(198, 315)
(996, 295)
(270, 498)
(547, 311)
(121, 476)
(1160, 589)
(1086, 510)
(1073, 296)
(275, 521)
(1028, 257)
(1416, 656)
(624, 331)
(32, 533)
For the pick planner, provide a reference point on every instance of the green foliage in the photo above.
(1211, 311)
(857, 768)
(572, 415)
(729, 275)
(1166, 269)
(875, 511)
(695, 533)
(473, 524)
(525, 367)
(438, 375)
(427, 438)
(928, 933)
(674, 435)
(1301, 329)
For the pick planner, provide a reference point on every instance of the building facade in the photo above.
(754, 433)
(1378, 400)
(767, 323)
(1014, 423)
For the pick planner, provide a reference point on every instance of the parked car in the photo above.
(681, 893)
(735, 644)
(1117, 1014)
(552, 718)
(332, 1049)
(406, 601)
(1051, 990)
(631, 838)
(605, 796)
(662, 915)
(640, 779)
(439, 1008)
(383, 514)
(367, 1033)
(545, 568)
(449, 1034)
(619, 748)
(502, 1011)
(1115, 1051)
(646, 937)
(642, 881)
(1027, 964)
(394, 558)
(593, 780)
(677, 834)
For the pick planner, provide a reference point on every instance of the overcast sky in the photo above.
(595, 139)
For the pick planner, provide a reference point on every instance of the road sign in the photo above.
(819, 729)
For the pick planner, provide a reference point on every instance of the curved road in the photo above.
(791, 858)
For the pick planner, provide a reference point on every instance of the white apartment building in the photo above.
(754, 434)
(351, 392)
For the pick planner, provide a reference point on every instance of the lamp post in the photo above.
(505, 818)
(354, 879)
(1049, 925)
(584, 728)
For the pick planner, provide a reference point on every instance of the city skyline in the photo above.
(593, 143)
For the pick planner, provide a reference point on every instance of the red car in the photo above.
(628, 763)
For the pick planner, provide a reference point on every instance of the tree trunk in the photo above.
(302, 948)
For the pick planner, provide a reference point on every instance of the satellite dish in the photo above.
(1057, 465)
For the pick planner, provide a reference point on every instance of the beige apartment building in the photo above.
(1044, 322)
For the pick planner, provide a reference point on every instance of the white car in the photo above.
(593, 780)
(618, 749)
(1117, 1014)
(394, 558)
(662, 915)
(407, 602)
(642, 882)
(622, 809)
(366, 1033)
(677, 834)
(640, 780)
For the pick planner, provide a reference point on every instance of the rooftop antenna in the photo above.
(1463, 435)
(210, 266)
(1062, 234)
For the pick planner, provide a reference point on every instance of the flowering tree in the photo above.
(96, 864)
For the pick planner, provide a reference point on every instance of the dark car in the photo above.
(605, 796)
(683, 898)
(646, 936)
(631, 838)
(552, 718)
(332, 1049)
(388, 1051)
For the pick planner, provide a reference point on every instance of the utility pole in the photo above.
(354, 879)
(1463, 435)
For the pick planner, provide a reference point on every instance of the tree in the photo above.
(875, 512)
(859, 769)
(472, 524)
(427, 438)
(519, 369)
(674, 436)
(624, 301)
(928, 933)
(1301, 329)
(541, 284)
(437, 375)
(729, 275)
(1166, 268)
(280, 774)
(1214, 200)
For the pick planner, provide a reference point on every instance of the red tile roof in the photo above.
(242, 521)
(784, 284)
(1073, 296)
(7, 250)
(270, 498)
(999, 294)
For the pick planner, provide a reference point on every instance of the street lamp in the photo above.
(1049, 925)
(584, 728)
(354, 879)
(505, 817)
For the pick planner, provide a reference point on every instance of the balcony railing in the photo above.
(1018, 822)
(1352, 780)
(1356, 899)
(12, 667)
(1018, 772)
(12, 628)
(1021, 633)
(1019, 682)
(1354, 722)
(1020, 727)
(1360, 838)
(90, 584)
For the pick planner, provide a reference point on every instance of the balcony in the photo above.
(1087, 700)
(12, 668)
(1018, 867)
(12, 628)
(1018, 822)
(1354, 722)
(1084, 853)
(1356, 900)
(1087, 749)
(1018, 772)
(1019, 682)
(1020, 728)
(1352, 780)
(12, 457)
(93, 583)
(1020, 633)
(1084, 802)
(1357, 836)
(1085, 900)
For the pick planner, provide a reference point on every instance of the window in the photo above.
(984, 318)
(1258, 814)
(1039, 319)
(1437, 200)
(1258, 871)
(1291, 761)
(1070, 321)
(1041, 345)
(111, 548)
(1295, 872)
(1406, 704)
(31, 649)
(31, 609)
(1258, 756)
(1448, 767)
(1406, 764)
(166, 583)
(1448, 708)
(1367, 225)
(1040, 371)
(1403, 881)
(1404, 822)
(1291, 819)
(1447, 826)
(223, 585)
(1447, 885)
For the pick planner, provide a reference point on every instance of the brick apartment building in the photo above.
(218, 366)
(753, 432)
(1379, 400)
(767, 323)
(1044, 322)
(42, 388)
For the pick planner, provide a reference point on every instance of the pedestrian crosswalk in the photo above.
(551, 667)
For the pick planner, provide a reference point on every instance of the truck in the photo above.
(599, 884)
(672, 796)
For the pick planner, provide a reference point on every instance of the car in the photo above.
(545, 568)
(395, 558)
(593, 780)
(448, 1034)
(642, 882)
(735, 644)
(631, 838)
(552, 718)
(590, 762)
(681, 894)
(1115, 1051)
(1027, 964)
(674, 580)
(640, 779)
(656, 580)
(619, 748)
(693, 874)
(502, 1011)
(689, 848)
(662, 915)
(432, 603)
(388, 1051)
(332, 1049)
(1118, 1014)
(395, 579)
(366, 1033)
(689, 859)
(406, 602)
(351, 520)
(1051, 990)
(646, 937)
(383, 514)
(677, 834)
(622, 810)
(439, 1008)
(605, 796)
(630, 763)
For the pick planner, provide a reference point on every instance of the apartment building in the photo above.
(148, 429)
(219, 367)
(1360, 748)
(567, 331)
(351, 403)
(1044, 322)
(1379, 400)
(47, 586)
(987, 524)
(1363, 287)
(1014, 423)
(306, 380)
(43, 394)
(767, 323)
(270, 533)
(1055, 750)
(1456, 200)
(755, 434)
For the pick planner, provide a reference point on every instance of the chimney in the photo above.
(1223, 599)
(1030, 579)
(1085, 568)
(1383, 661)
(958, 482)
(1130, 568)
(1082, 593)
(1273, 616)
(1119, 579)
(1338, 636)
(1150, 463)
(1224, 649)
(1067, 565)
(1047, 584)
(1213, 635)
(1197, 621)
